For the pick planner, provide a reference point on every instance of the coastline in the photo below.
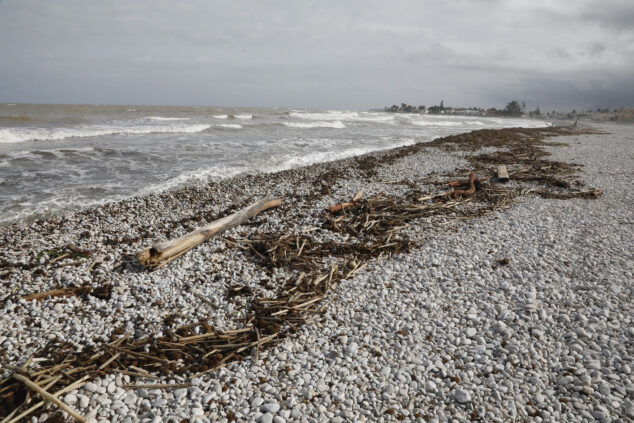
(418, 310)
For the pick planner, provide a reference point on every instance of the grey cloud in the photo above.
(356, 54)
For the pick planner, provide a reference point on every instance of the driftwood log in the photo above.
(164, 252)
(503, 174)
(342, 206)
(466, 189)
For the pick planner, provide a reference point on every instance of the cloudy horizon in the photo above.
(353, 55)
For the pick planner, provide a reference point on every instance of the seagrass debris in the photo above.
(102, 292)
(161, 253)
(48, 397)
(46, 384)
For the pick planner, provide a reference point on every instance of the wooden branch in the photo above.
(470, 190)
(49, 397)
(503, 175)
(62, 292)
(342, 206)
(162, 253)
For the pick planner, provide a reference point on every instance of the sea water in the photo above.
(60, 157)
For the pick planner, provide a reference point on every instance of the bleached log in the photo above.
(162, 253)
(503, 175)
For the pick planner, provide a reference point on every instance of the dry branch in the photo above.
(162, 253)
(49, 397)
(342, 206)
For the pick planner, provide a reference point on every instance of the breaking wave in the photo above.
(337, 124)
(15, 135)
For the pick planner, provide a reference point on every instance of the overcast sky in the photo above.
(328, 54)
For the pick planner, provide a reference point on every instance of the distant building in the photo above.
(622, 114)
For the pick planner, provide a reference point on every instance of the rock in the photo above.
(270, 407)
(430, 386)
(256, 403)
(471, 332)
(352, 349)
(266, 418)
(70, 399)
(91, 387)
(462, 395)
(180, 393)
(84, 401)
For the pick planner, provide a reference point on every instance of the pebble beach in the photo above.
(524, 314)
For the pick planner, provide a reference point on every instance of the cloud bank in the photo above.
(354, 54)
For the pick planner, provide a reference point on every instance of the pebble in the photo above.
(462, 396)
(270, 407)
(70, 399)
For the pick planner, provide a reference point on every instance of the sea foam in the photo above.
(15, 135)
(337, 124)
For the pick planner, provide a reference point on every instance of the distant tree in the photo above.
(523, 106)
(535, 113)
(442, 104)
(513, 109)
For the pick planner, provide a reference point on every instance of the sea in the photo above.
(55, 158)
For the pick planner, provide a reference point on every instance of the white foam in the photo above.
(330, 115)
(229, 125)
(336, 124)
(437, 123)
(15, 135)
(221, 116)
(243, 116)
(160, 118)
(344, 116)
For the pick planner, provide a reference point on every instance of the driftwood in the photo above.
(503, 175)
(342, 206)
(102, 292)
(49, 397)
(164, 252)
(62, 292)
(469, 189)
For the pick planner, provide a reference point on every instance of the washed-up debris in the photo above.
(160, 254)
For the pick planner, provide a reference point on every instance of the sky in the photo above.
(353, 54)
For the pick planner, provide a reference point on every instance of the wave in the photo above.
(243, 116)
(15, 135)
(221, 116)
(160, 118)
(437, 123)
(229, 125)
(17, 118)
(336, 124)
(340, 115)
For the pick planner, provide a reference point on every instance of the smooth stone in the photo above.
(70, 399)
(353, 349)
(266, 418)
(462, 396)
(130, 398)
(91, 387)
(430, 386)
(180, 393)
(270, 407)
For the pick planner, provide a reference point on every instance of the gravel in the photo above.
(436, 334)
